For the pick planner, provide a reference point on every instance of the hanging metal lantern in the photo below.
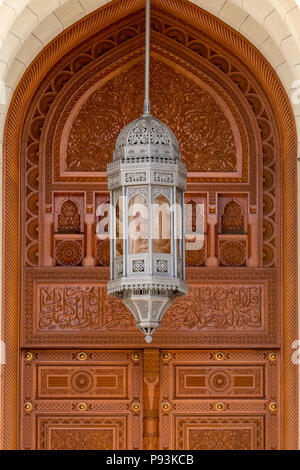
(147, 181)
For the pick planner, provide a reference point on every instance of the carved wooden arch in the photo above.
(277, 98)
(77, 79)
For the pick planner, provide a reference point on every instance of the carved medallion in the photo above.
(68, 253)
(232, 253)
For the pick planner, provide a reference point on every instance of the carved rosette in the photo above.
(68, 253)
(195, 257)
(232, 253)
(102, 253)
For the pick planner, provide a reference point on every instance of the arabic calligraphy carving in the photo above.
(209, 308)
(80, 308)
(218, 307)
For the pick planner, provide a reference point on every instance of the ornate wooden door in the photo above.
(81, 400)
(211, 379)
(219, 400)
(151, 399)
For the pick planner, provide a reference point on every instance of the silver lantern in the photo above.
(147, 180)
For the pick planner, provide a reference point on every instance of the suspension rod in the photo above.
(147, 60)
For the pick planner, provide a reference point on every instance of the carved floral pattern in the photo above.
(82, 439)
(196, 381)
(103, 252)
(69, 218)
(56, 381)
(233, 253)
(220, 439)
(196, 45)
(195, 257)
(68, 253)
(69, 432)
(203, 132)
(225, 66)
(233, 219)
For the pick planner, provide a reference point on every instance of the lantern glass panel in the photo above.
(179, 222)
(161, 225)
(119, 228)
(138, 229)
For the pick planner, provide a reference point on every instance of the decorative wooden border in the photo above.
(70, 38)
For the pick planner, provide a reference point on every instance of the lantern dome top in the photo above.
(147, 137)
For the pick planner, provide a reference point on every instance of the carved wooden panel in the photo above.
(241, 83)
(75, 382)
(222, 307)
(81, 400)
(235, 381)
(219, 433)
(212, 140)
(220, 400)
(65, 432)
(234, 97)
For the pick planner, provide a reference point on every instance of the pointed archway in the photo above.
(211, 57)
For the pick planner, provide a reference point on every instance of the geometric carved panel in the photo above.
(220, 399)
(70, 382)
(219, 381)
(75, 399)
